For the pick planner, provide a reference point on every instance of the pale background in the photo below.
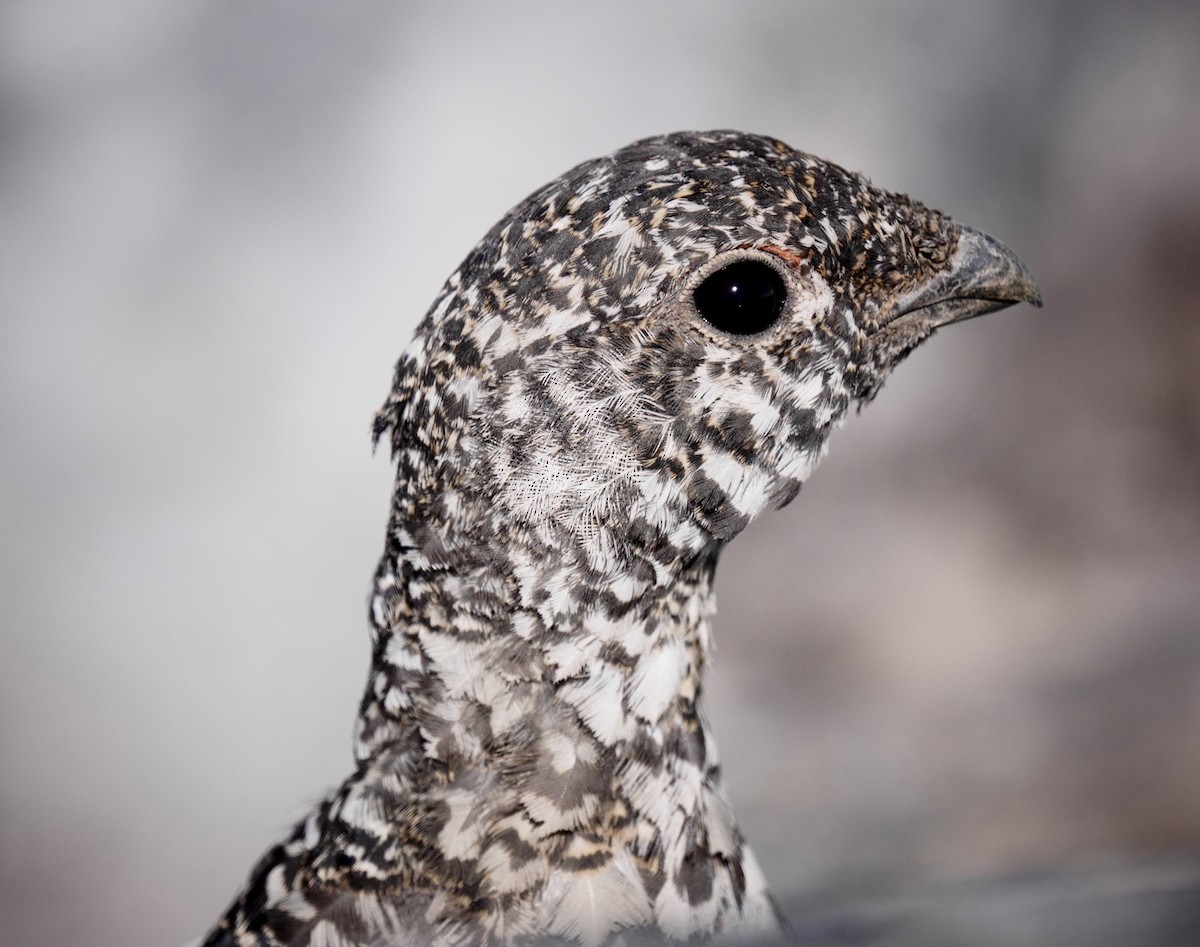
(970, 649)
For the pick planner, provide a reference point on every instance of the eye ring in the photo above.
(741, 293)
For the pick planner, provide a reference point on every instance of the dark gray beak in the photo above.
(984, 275)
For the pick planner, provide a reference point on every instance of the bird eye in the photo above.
(742, 298)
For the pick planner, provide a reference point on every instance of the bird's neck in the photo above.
(557, 708)
(488, 629)
(542, 625)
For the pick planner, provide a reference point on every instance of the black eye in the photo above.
(742, 298)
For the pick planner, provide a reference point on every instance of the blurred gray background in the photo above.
(969, 650)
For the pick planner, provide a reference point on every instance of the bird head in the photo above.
(655, 347)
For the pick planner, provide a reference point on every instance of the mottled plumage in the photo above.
(574, 445)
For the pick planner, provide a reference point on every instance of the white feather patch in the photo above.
(463, 832)
(656, 680)
(748, 488)
(598, 701)
(589, 905)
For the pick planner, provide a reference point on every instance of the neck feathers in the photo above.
(542, 623)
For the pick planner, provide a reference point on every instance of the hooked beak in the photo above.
(984, 275)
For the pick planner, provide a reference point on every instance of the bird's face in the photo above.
(667, 336)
